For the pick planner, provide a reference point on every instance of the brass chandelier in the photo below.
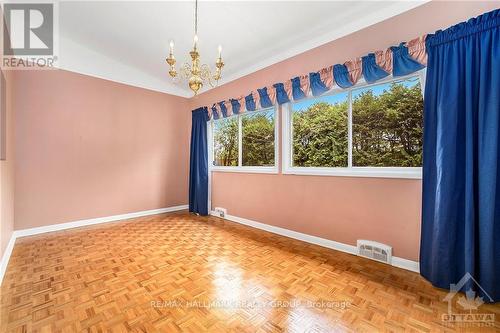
(194, 73)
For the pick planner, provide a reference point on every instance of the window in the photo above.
(319, 128)
(257, 135)
(225, 134)
(387, 122)
(367, 130)
(246, 142)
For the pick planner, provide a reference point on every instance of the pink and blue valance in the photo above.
(297, 92)
(250, 103)
(318, 87)
(265, 100)
(214, 113)
(223, 109)
(281, 95)
(371, 70)
(400, 60)
(403, 64)
(341, 75)
(235, 104)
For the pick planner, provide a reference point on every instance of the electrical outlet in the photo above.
(221, 212)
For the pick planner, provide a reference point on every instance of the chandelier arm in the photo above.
(206, 75)
(185, 71)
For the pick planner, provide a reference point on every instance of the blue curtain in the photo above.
(461, 170)
(198, 166)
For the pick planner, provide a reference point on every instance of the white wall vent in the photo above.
(375, 250)
(221, 212)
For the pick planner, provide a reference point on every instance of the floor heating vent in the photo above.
(374, 250)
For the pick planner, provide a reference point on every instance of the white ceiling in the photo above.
(128, 41)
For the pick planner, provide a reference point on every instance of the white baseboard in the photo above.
(396, 261)
(81, 223)
(75, 224)
(6, 256)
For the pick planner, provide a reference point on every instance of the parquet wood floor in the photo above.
(181, 273)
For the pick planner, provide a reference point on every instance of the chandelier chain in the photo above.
(196, 17)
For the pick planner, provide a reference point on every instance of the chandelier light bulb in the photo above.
(220, 50)
(171, 46)
(195, 40)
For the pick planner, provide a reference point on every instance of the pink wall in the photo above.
(87, 147)
(338, 208)
(7, 172)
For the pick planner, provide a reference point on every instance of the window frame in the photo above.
(241, 168)
(350, 170)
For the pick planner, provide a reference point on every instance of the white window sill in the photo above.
(271, 170)
(405, 173)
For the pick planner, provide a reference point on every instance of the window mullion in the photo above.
(349, 131)
(421, 76)
(211, 142)
(290, 136)
(276, 136)
(240, 142)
